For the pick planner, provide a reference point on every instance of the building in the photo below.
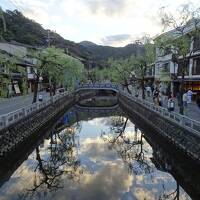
(168, 67)
(16, 77)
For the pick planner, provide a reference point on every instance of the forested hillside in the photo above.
(104, 52)
(23, 30)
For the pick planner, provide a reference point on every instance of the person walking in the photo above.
(155, 96)
(185, 99)
(189, 96)
(170, 103)
(148, 90)
(160, 99)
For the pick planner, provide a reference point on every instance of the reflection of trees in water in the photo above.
(62, 160)
(174, 195)
(130, 149)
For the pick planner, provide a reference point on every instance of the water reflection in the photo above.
(94, 155)
(128, 146)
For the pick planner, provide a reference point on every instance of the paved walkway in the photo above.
(192, 111)
(15, 103)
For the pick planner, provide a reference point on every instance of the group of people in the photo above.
(159, 98)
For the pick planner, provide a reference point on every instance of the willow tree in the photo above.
(55, 65)
(120, 71)
(185, 29)
(73, 72)
(125, 71)
(143, 62)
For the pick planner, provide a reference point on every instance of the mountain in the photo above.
(26, 31)
(23, 30)
(102, 53)
(87, 44)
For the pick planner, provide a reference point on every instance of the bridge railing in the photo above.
(184, 121)
(97, 85)
(14, 116)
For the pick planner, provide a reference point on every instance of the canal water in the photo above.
(97, 154)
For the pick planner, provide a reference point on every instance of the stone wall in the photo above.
(181, 138)
(22, 132)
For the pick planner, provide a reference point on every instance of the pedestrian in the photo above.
(155, 96)
(170, 103)
(198, 102)
(148, 89)
(189, 96)
(160, 99)
(185, 99)
(40, 97)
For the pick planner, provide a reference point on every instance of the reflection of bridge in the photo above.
(98, 86)
(98, 109)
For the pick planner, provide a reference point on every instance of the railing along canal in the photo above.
(14, 116)
(183, 121)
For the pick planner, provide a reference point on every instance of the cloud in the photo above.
(117, 40)
(120, 40)
(108, 7)
(99, 21)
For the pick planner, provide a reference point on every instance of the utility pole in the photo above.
(49, 38)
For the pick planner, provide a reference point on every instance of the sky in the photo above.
(105, 22)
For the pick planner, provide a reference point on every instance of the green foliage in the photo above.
(103, 53)
(185, 25)
(58, 67)
(124, 69)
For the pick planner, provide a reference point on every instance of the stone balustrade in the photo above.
(12, 117)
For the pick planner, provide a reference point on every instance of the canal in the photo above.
(94, 153)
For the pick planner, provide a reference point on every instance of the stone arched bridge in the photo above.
(98, 86)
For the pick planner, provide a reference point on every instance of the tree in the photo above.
(120, 71)
(124, 71)
(186, 28)
(141, 63)
(58, 67)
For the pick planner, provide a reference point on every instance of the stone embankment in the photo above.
(182, 138)
(19, 133)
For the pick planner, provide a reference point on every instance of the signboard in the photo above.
(17, 90)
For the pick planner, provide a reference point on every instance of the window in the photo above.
(165, 68)
(180, 67)
(196, 66)
(196, 45)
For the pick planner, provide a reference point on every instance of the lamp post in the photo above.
(40, 97)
